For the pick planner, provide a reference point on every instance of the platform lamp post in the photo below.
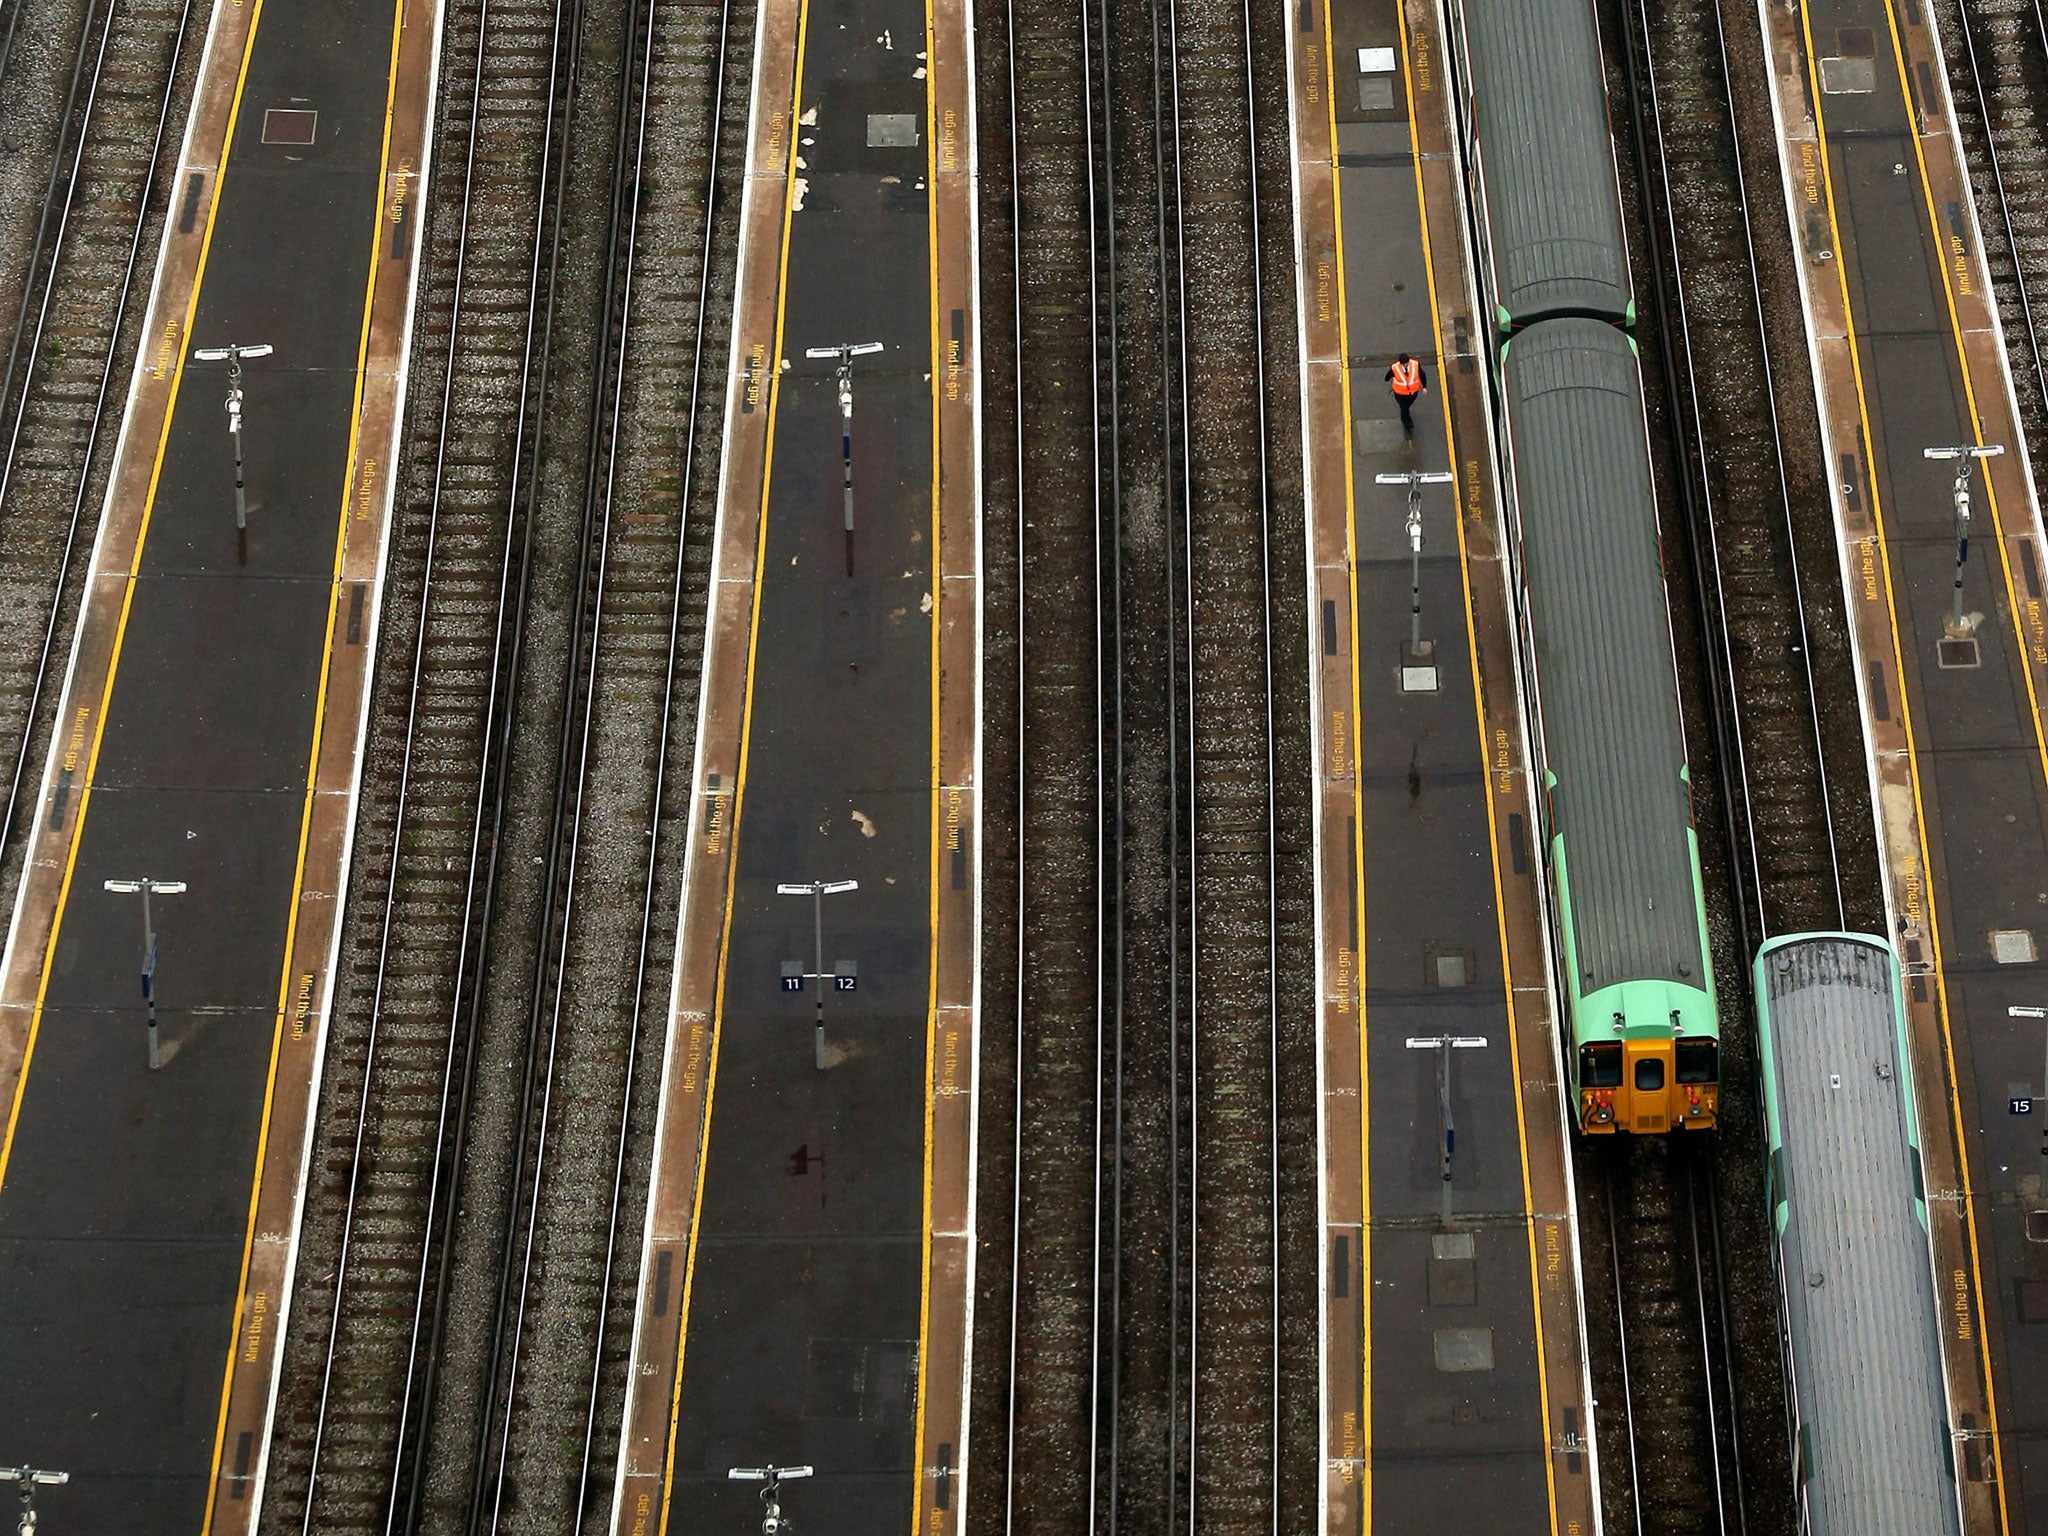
(846, 352)
(1418, 657)
(772, 1523)
(26, 1480)
(148, 888)
(1965, 456)
(1447, 1129)
(845, 976)
(232, 356)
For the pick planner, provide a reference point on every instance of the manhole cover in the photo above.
(1374, 434)
(1464, 1349)
(2012, 946)
(892, 130)
(1952, 654)
(1848, 77)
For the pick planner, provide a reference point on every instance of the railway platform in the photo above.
(1455, 1394)
(808, 1262)
(209, 737)
(1908, 355)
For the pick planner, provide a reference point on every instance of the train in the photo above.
(1872, 1449)
(1615, 814)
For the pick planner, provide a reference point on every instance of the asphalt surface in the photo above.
(803, 1330)
(1458, 1442)
(1980, 767)
(127, 1194)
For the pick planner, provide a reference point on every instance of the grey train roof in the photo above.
(1859, 1294)
(1552, 210)
(1611, 732)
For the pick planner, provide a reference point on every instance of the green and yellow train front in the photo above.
(1646, 1051)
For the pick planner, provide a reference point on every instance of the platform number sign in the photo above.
(792, 976)
(845, 976)
(2020, 1105)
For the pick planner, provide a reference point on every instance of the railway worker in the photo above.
(1407, 380)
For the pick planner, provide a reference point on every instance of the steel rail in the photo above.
(408, 758)
(566, 829)
(670, 676)
(67, 119)
(1095, 348)
(1694, 496)
(493, 798)
(1770, 394)
(52, 624)
(1111, 1342)
(2019, 271)
(1717, 1366)
(1628, 1408)
(1179, 392)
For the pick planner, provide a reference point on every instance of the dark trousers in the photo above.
(1407, 404)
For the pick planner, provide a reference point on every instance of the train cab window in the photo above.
(1649, 1074)
(1600, 1066)
(1698, 1061)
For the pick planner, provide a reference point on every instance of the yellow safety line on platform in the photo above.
(739, 794)
(1356, 875)
(284, 986)
(1500, 916)
(1912, 759)
(127, 599)
(1955, 323)
(931, 1020)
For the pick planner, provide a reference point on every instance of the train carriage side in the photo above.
(1872, 1449)
(1622, 855)
(1533, 94)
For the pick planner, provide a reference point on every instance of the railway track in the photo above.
(1127, 1368)
(1216, 272)
(1671, 1304)
(1996, 52)
(1773, 717)
(457, 1351)
(1041, 1356)
(75, 326)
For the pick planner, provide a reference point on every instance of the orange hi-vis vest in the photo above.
(1407, 378)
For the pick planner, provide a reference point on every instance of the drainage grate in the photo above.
(1445, 966)
(1954, 654)
(289, 125)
